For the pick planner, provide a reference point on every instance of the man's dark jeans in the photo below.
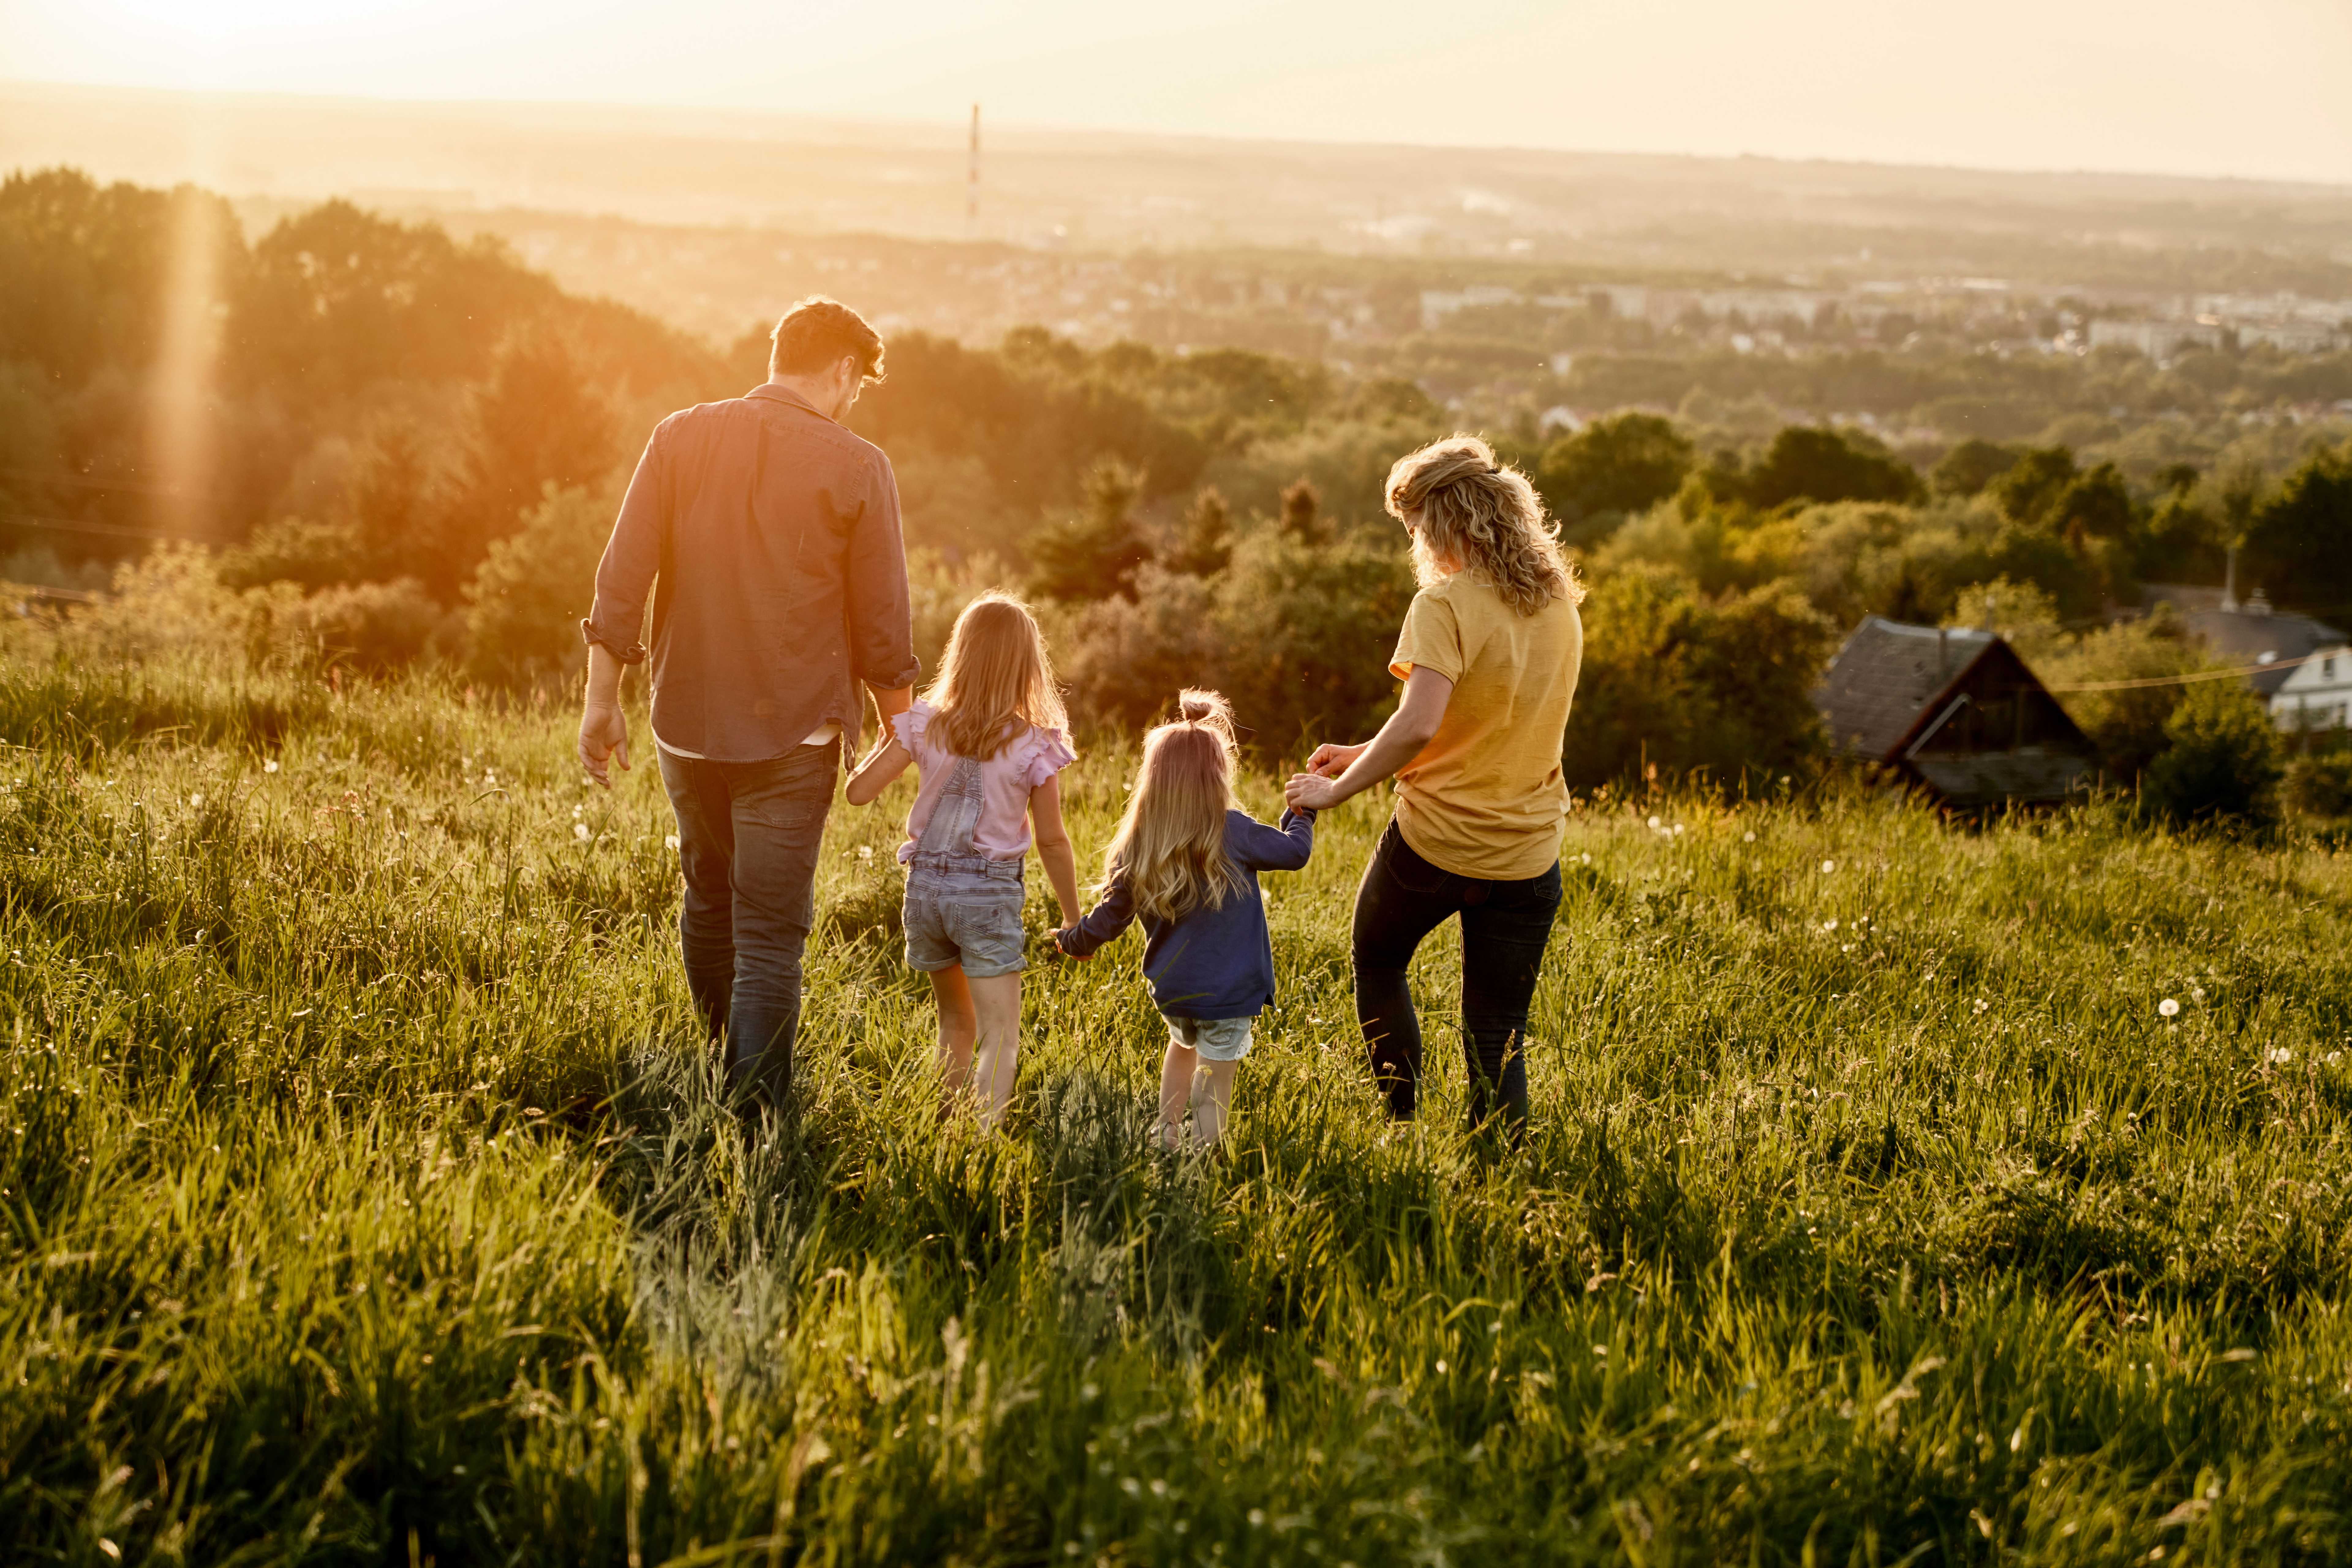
(747, 838)
(1504, 926)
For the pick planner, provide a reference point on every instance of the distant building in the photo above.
(2249, 633)
(2291, 337)
(2317, 693)
(1436, 304)
(1957, 713)
(2157, 340)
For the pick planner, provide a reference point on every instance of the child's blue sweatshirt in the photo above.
(1214, 963)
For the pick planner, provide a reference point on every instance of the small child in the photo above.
(1185, 859)
(988, 737)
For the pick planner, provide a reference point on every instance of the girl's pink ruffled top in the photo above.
(1005, 782)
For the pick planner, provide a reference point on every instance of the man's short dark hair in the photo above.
(816, 334)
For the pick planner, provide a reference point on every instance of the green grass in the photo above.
(366, 1197)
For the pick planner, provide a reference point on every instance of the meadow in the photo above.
(364, 1195)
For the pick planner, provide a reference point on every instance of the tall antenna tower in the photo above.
(971, 181)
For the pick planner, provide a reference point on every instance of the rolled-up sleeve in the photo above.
(632, 556)
(880, 619)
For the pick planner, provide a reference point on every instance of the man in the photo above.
(774, 533)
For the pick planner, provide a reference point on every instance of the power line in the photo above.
(111, 530)
(2182, 679)
(83, 481)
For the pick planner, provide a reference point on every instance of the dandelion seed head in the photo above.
(1828, 867)
(2197, 994)
(270, 765)
(1749, 838)
(1654, 824)
(2168, 1008)
(195, 800)
(580, 831)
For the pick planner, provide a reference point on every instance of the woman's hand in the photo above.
(1329, 761)
(1313, 792)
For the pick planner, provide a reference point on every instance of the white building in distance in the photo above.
(2316, 693)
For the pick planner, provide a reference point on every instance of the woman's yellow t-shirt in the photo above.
(1484, 797)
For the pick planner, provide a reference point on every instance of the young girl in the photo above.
(1185, 859)
(988, 739)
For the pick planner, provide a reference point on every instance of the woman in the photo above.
(1488, 657)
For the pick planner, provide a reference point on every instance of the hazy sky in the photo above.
(2242, 87)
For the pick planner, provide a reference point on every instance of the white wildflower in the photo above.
(2278, 1056)
(1654, 824)
(2196, 993)
(670, 843)
(1679, 830)
(580, 831)
(270, 765)
(1749, 838)
(1829, 925)
(1828, 867)
(195, 800)
(2168, 1008)
(1982, 1004)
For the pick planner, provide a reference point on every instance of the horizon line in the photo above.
(954, 128)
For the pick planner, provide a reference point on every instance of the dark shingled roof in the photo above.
(2251, 634)
(1884, 675)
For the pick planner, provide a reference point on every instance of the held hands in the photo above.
(1057, 952)
(603, 733)
(1318, 788)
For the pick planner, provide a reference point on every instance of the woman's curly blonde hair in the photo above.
(1471, 513)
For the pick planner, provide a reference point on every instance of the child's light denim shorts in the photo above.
(1213, 1039)
(964, 917)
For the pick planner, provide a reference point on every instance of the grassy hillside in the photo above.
(362, 1197)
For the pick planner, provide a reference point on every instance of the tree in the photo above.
(2301, 538)
(2033, 484)
(2095, 505)
(1695, 684)
(1097, 552)
(1205, 545)
(1622, 464)
(2225, 762)
(2024, 615)
(1302, 514)
(1969, 466)
(1805, 463)
(538, 422)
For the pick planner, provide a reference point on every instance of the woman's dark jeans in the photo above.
(746, 839)
(1504, 926)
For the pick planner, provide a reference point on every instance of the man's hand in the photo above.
(603, 733)
(1329, 761)
(1312, 792)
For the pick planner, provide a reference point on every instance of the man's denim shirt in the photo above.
(774, 533)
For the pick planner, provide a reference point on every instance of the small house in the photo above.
(1955, 711)
(2316, 693)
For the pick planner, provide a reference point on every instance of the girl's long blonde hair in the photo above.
(1170, 849)
(996, 681)
(1471, 513)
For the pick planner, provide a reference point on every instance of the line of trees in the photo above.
(418, 445)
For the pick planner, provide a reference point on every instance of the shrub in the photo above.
(2225, 759)
(2127, 724)
(1694, 684)
(2320, 785)
(524, 605)
(294, 550)
(370, 626)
